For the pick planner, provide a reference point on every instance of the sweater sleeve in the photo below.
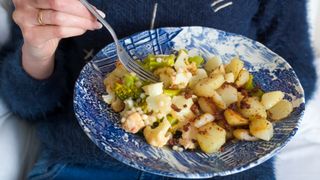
(27, 97)
(283, 28)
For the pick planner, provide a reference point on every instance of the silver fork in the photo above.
(130, 64)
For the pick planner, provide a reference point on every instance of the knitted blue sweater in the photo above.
(279, 24)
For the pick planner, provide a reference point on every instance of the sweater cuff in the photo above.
(29, 97)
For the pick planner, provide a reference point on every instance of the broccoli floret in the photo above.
(152, 62)
(128, 89)
(129, 80)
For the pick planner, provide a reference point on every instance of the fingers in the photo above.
(73, 7)
(38, 35)
(51, 17)
(43, 20)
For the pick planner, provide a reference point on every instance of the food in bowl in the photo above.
(195, 104)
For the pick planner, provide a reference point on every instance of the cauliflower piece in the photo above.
(153, 89)
(182, 79)
(133, 123)
(166, 75)
(158, 136)
(159, 104)
(181, 60)
(171, 78)
(188, 138)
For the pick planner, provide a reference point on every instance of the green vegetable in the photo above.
(182, 50)
(252, 87)
(196, 59)
(152, 62)
(128, 88)
(142, 104)
(172, 120)
(129, 80)
(257, 92)
(249, 84)
(171, 92)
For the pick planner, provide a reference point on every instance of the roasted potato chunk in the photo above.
(281, 110)
(261, 128)
(251, 107)
(244, 135)
(211, 137)
(205, 87)
(235, 66)
(270, 99)
(235, 119)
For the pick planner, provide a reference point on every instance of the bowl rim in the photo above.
(249, 165)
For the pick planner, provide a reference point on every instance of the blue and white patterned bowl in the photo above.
(102, 125)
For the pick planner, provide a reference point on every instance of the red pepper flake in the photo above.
(175, 108)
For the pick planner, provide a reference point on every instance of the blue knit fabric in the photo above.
(67, 153)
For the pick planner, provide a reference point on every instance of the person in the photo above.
(53, 39)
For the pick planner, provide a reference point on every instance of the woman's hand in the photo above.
(43, 24)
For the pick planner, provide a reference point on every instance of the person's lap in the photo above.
(44, 169)
(19, 147)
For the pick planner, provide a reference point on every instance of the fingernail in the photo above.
(99, 25)
(101, 13)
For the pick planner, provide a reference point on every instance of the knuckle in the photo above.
(59, 32)
(56, 4)
(16, 16)
(28, 35)
(17, 3)
(56, 18)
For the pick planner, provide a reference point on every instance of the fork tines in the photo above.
(141, 73)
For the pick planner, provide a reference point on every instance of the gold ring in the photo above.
(40, 18)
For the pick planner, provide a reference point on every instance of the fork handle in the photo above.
(103, 22)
